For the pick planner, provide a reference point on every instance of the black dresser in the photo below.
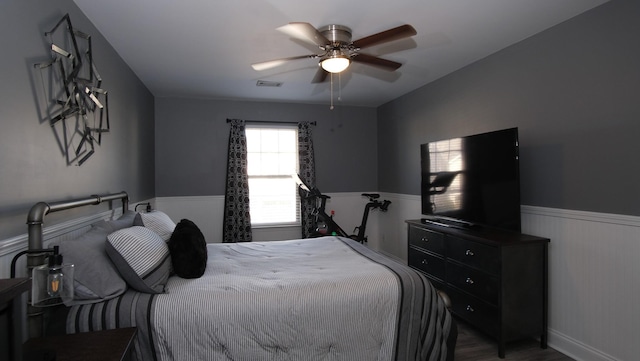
(496, 280)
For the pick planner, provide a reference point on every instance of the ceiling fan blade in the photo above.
(403, 31)
(375, 61)
(321, 76)
(264, 65)
(305, 32)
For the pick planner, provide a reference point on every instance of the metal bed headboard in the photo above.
(35, 252)
(36, 215)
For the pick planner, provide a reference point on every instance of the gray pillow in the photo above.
(125, 221)
(157, 221)
(142, 258)
(95, 276)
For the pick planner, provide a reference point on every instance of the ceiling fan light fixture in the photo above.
(335, 63)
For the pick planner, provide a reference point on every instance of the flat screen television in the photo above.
(472, 181)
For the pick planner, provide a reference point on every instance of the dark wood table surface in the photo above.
(108, 345)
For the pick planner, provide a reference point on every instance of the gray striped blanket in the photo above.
(326, 298)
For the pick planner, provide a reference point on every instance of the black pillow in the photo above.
(188, 250)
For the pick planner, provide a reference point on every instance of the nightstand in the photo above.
(108, 345)
(12, 308)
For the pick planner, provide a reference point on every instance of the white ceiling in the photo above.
(204, 48)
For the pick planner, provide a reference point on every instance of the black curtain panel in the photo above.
(237, 220)
(308, 174)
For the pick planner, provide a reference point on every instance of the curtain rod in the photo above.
(269, 122)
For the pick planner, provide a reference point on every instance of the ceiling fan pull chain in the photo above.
(339, 87)
(331, 91)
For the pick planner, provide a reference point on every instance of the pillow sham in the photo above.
(188, 250)
(95, 277)
(142, 258)
(124, 221)
(157, 221)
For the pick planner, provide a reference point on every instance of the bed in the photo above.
(327, 298)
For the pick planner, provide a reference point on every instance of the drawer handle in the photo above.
(470, 309)
(425, 262)
(424, 239)
(469, 280)
(469, 253)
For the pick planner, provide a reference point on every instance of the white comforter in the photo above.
(313, 299)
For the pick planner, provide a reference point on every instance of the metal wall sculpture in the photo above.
(77, 107)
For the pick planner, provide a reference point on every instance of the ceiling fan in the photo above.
(337, 51)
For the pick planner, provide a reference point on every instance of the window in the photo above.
(272, 157)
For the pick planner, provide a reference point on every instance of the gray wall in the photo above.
(192, 139)
(574, 93)
(32, 165)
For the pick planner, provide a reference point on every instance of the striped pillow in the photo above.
(141, 257)
(158, 222)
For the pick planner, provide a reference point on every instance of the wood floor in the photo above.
(474, 346)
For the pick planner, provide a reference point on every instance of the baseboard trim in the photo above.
(575, 349)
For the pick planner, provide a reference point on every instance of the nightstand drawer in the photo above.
(430, 264)
(480, 284)
(474, 254)
(431, 241)
(474, 311)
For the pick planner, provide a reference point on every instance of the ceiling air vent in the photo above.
(269, 83)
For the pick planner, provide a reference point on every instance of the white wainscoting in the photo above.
(59, 232)
(594, 281)
(65, 230)
(594, 275)
(207, 213)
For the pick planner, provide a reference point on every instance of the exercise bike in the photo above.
(326, 225)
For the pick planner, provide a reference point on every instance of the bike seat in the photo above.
(371, 195)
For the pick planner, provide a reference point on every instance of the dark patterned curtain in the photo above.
(237, 221)
(308, 175)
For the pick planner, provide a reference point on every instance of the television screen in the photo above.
(472, 180)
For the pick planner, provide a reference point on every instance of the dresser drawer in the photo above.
(429, 240)
(496, 280)
(474, 254)
(473, 281)
(474, 311)
(428, 263)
